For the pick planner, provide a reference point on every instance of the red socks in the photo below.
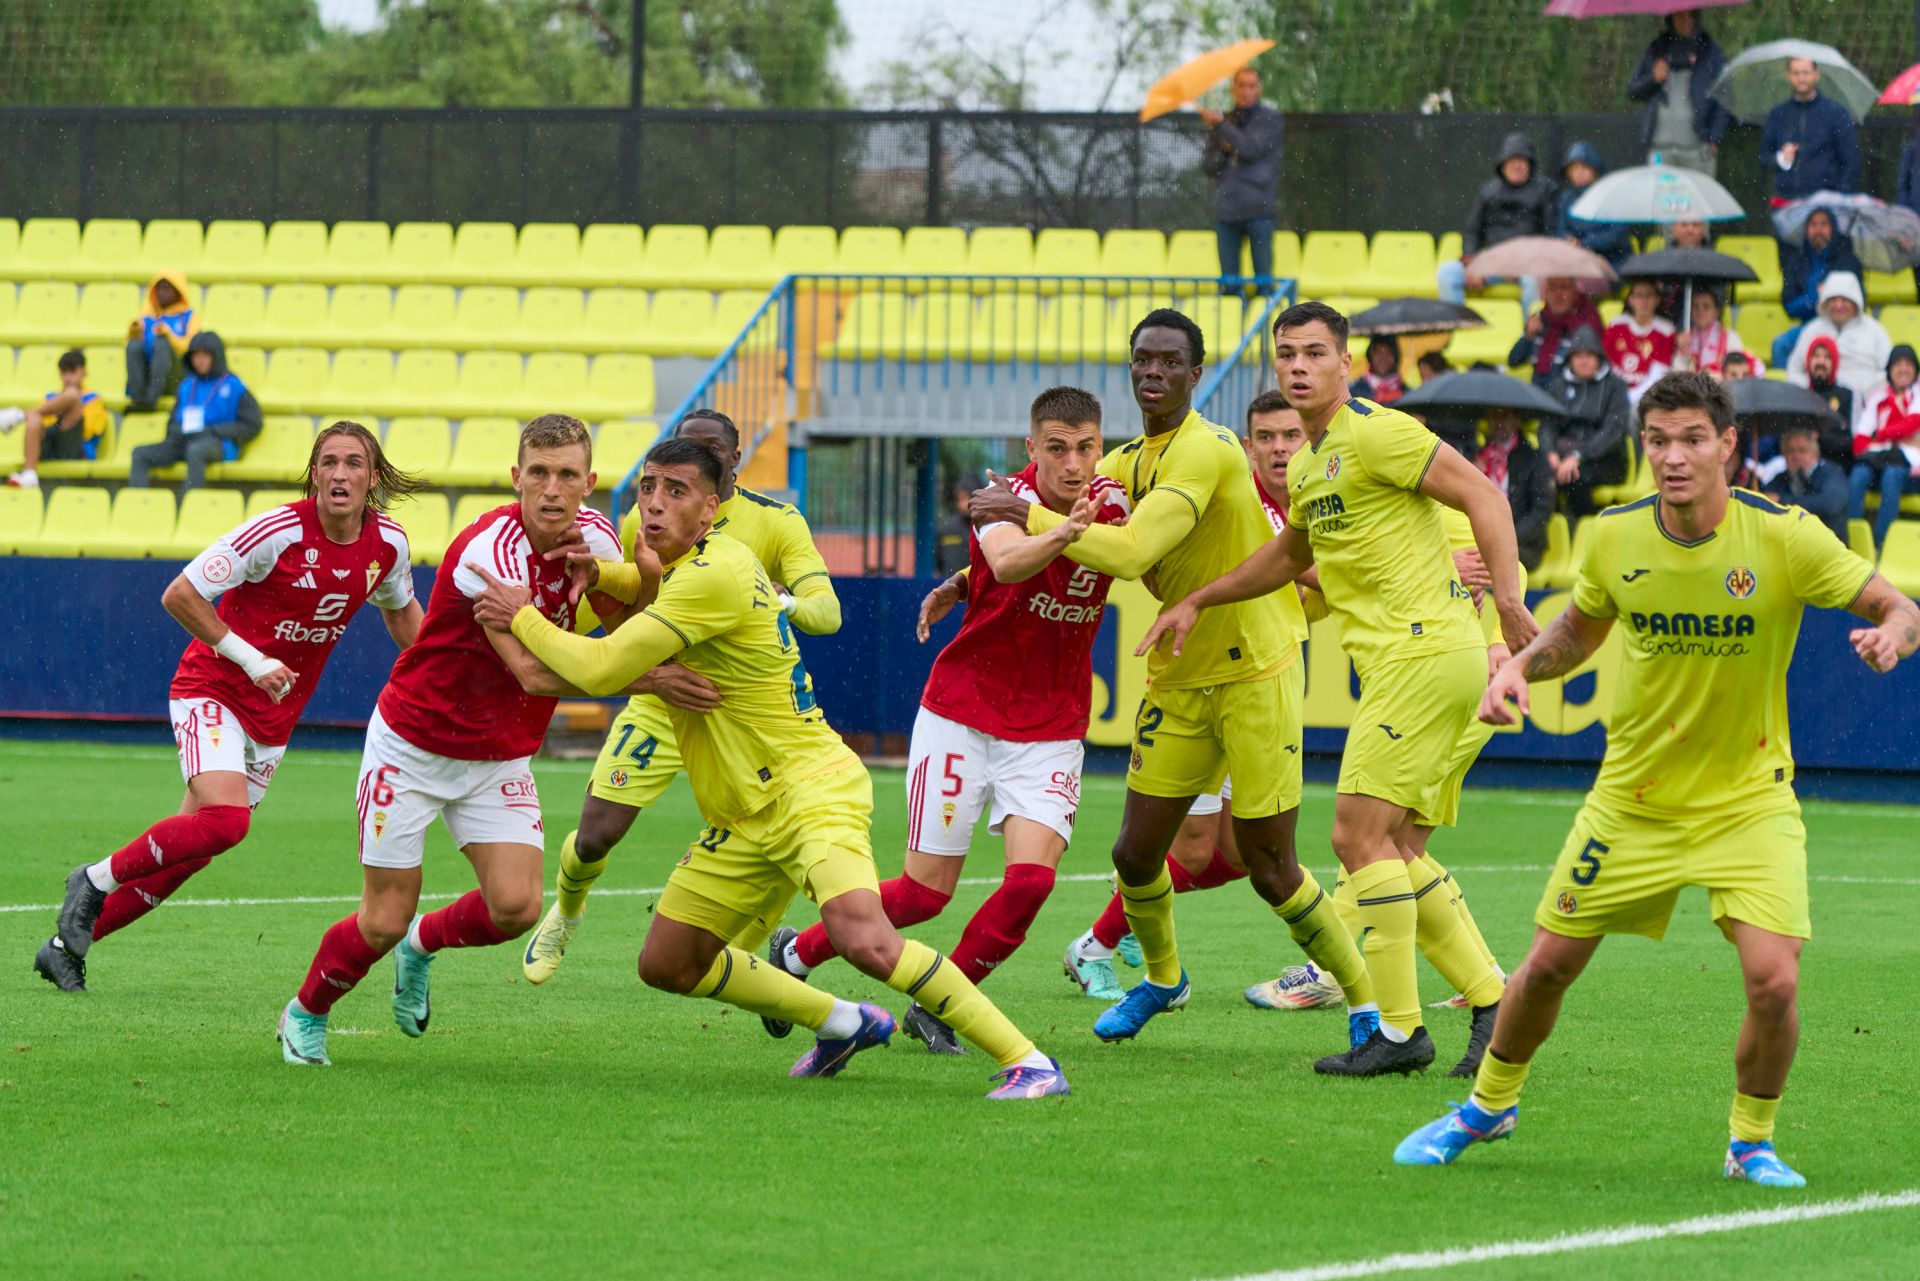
(906, 902)
(210, 830)
(465, 922)
(343, 960)
(1001, 924)
(131, 902)
(1112, 925)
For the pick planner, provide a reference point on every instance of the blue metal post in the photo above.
(927, 511)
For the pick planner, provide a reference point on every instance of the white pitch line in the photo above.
(1566, 1243)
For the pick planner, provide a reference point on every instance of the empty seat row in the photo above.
(874, 324)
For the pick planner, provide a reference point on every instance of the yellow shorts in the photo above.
(640, 756)
(736, 882)
(1407, 728)
(1187, 741)
(1466, 750)
(1620, 874)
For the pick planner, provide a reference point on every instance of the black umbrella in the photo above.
(1694, 264)
(1766, 407)
(1415, 316)
(1480, 390)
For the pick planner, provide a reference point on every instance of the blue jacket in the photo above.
(229, 411)
(1704, 58)
(1829, 155)
(1608, 239)
(1802, 272)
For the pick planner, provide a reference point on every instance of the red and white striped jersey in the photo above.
(288, 590)
(449, 693)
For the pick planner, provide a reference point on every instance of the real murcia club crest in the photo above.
(373, 575)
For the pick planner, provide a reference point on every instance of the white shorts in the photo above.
(209, 737)
(953, 772)
(403, 787)
(1210, 804)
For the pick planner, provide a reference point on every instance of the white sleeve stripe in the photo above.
(251, 535)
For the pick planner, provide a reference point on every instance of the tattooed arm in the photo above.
(1898, 630)
(1560, 648)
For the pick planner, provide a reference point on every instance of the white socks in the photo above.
(842, 1023)
(101, 874)
(790, 958)
(1089, 948)
(1035, 1060)
(413, 936)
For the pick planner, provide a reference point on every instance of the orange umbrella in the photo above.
(1191, 79)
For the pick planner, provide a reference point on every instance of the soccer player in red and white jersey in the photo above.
(287, 583)
(1004, 712)
(453, 738)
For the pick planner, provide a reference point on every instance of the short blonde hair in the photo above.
(555, 431)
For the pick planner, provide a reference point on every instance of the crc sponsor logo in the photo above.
(519, 788)
(1065, 785)
(1056, 611)
(301, 634)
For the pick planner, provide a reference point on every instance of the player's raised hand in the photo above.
(1472, 570)
(1176, 621)
(1497, 656)
(997, 502)
(681, 686)
(495, 607)
(1079, 518)
(1510, 682)
(277, 681)
(1876, 649)
(583, 567)
(938, 604)
(1518, 627)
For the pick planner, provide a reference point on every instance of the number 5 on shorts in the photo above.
(1589, 863)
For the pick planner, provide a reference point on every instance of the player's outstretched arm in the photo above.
(1452, 480)
(403, 624)
(1015, 556)
(816, 606)
(938, 603)
(1558, 650)
(1897, 630)
(196, 613)
(534, 676)
(1157, 525)
(1274, 565)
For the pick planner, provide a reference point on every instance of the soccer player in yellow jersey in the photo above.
(787, 804)
(1366, 496)
(1230, 704)
(641, 756)
(1707, 585)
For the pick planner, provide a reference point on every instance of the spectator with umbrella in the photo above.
(1861, 343)
(1242, 156)
(1905, 92)
(1381, 383)
(1516, 466)
(1457, 427)
(1516, 201)
(1690, 233)
(1818, 252)
(1579, 171)
(1675, 78)
(1566, 310)
(1810, 140)
(1707, 343)
(1640, 343)
(1886, 442)
(1587, 447)
(1446, 397)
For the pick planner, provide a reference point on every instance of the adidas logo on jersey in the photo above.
(306, 580)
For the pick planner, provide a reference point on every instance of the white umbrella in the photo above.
(1755, 82)
(1885, 237)
(1656, 193)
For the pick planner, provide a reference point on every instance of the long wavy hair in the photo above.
(389, 482)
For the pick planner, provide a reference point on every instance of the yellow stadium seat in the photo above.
(205, 514)
(611, 253)
(1762, 254)
(296, 315)
(48, 311)
(419, 252)
(36, 371)
(483, 450)
(552, 319)
(357, 252)
(7, 303)
(278, 454)
(1899, 558)
(487, 316)
(296, 380)
(75, 517)
(1220, 319)
(555, 382)
(490, 381)
(472, 507)
(1066, 251)
(170, 243)
(237, 312)
(1447, 248)
(1556, 567)
(740, 258)
(1133, 253)
(296, 250)
(1006, 327)
(933, 251)
(997, 251)
(423, 379)
(105, 309)
(20, 513)
(1759, 323)
(359, 316)
(1333, 262)
(420, 444)
(109, 250)
(939, 325)
(261, 501)
(677, 320)
(106, 373)
(132, 431)
(1074, 327)
(806, 251)
(424, 517)
(49, 249)
(9, 245)
(361, 381)
(1504, 326)
(234, 249)
(548, 253)
(869, 251)
(249, 365)
(480, 249)
(619, 446)
(1196, 254)
(621, 385)
(1884, 287)
(731, 312)
(675, 257)
(7, 388)
(864, 320)
(1900, 320)
(616, 320)
(1860, 538)
(1400, 265)
(141, 520)
(422, 314)
(1286, 256)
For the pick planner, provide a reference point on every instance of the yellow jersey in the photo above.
(717, 615)
(777, 535)
(1700, 716)
(1460, 538)
(1196, 516)
(1385, 564)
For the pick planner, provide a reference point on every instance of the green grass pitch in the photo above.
(596, 1128)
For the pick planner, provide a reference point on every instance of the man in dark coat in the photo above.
(1684, 123)
(1243, 157)
(1512, 463)
(1588, 448)
(1516, 201)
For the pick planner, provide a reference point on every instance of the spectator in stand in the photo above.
(1885, 445)
(1862, 344)
(1810, 481)
(1509, 460)
(1458, 428)
(1243, 157)
(1640, 344)
(1691, 234)
(1707, 344)
(1381, 383)
(157, 339)
(1675, 77)
(1811, 144)
(65, 425)
(1825, 253)
(1566, 310)
(953, 546)
(1735, 366)
(1907, 187)
(1516, 201)
(213, 415)
(1823, 365)
(1588, 448)
(1580, 170)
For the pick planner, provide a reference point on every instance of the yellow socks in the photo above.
(576, 878)
(1452, 887)
(1384, 898)
(1343, 904)
(1446, 944)
(939, 986)
(744, 980)
(1497, 1085)
(1752, 1120)
(1313, 919)
(1149, 910)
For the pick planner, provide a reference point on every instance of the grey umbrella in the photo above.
(1656, 193)
(1689, 265)
(1415, 316)
(1755, 82)
(1766, 406)
(1479, 390)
